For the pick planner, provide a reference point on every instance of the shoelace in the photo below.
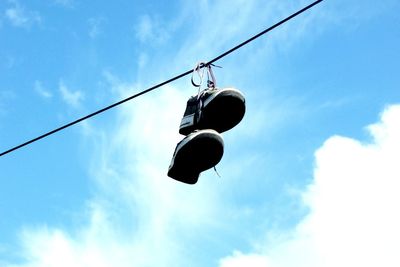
(215, 169)
(200, 69)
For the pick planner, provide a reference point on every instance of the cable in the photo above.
(163, 83)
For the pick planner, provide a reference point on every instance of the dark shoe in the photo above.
(197, 152)
(218, 109)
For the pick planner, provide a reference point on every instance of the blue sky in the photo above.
(309, 177)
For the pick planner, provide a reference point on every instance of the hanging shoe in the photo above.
(197, 152)
(213, 108)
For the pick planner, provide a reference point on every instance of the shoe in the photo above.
(197, 152)
(218, 109)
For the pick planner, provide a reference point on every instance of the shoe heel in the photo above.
(187, 124)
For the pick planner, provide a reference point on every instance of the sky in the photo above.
(310, 177)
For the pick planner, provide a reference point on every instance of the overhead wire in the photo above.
(162, 83)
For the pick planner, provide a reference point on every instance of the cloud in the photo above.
(139, 212)
(150, 30)
(239, 259)
(72, 98)
(18, 16)
(41, 90)
(353, 202)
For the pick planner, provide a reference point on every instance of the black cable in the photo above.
(163, 83)
(264, 32)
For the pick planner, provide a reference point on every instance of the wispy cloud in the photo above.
(18, 16)
(41, 90)
(72, 98)
(239, 259)
(140, 211)
(151, 31)
(352, 202)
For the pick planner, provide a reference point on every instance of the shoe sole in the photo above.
(198, 152)
(223, 110)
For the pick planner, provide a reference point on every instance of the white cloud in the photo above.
(18, 16)
(239, 259)
(141, 217)
(41, 90)
(353, 201)
(150, 30)
(72, 98)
